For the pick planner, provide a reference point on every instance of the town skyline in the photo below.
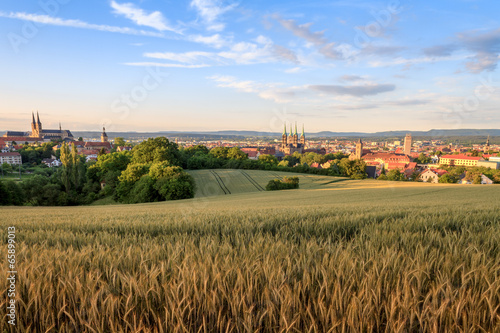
(207, 65)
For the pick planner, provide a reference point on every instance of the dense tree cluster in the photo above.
(150, 172)
(286, 183)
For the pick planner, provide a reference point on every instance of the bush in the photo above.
(285, 184)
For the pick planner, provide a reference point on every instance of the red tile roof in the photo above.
(462, 157)
(20, 138)
(10, 154)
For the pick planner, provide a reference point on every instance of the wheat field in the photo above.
(391, 258)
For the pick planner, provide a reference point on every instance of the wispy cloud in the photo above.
(262, 51)
(269, 91)
(216, 41)
(139, 16)
(326, 48)
(355, 90)
(486, 46)
(303, 31)
(193, 57)
(160, 64)
(49, 20)
(210, 11)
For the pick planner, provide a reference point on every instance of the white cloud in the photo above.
(186, 57)
(239, 53)
(268, 91)
(215, 41)
(210, 10)
(293, 70)
(139, 16)
(303, 31)
(45, 19)
(159, 64)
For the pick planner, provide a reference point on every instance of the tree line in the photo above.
(152, 171)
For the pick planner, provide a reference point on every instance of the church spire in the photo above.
(295, 129)
(302, 130)
(32, 117)
(284, 129)
(37, 118)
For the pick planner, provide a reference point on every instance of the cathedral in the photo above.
(291, 143)
(38, 132)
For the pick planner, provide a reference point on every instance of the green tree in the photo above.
(447, 178)
(284, 164)
(236, 154)
(5, 198)
(119, 142)
(423, 159)
(382, 177)
(67, 163)
(395, 175)
(143, 191)
(6, 167)
(268, 159)
(219, 152)
(354, 169)
(134, 172)
(176, 184)
(16, 193)
(156, 150)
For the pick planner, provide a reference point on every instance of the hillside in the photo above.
(225, 182)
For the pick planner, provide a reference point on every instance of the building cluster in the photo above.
(380, 157)
(13, 141)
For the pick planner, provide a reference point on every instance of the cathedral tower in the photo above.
(284, 137)
(33, 125)
(295, 136)
(38, 124)
(303, 137)
(104, 136)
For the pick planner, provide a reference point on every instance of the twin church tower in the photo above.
(291, 143)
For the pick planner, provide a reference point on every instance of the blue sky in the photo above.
(250, 65)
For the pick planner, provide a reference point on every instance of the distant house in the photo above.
(316, 165)
(123, 148)
(90, 155)
(51, 162)
(432, 175)
(12, 158)
(484, 180)
(253, 153)
(98, 146)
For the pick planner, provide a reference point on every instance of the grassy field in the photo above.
(223, 182)
(352, 256)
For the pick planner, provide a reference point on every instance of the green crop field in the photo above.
(224, 182)
(342, 256)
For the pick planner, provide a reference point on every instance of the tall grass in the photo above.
(363, 267)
